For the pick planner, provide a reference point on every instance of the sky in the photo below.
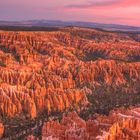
(102, 11)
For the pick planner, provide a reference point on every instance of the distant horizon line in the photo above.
(76, 21)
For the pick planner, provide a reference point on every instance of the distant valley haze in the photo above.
(59, 24)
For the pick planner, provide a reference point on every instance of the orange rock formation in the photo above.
(47, 71)
(121, 124)
(57, 71)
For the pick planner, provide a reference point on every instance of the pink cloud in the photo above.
(104, 11)
(104, 4)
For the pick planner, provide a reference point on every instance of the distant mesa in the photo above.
(58, 23)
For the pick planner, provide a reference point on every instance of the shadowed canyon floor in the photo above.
(60, 85)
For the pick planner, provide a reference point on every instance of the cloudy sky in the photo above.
(103, 11)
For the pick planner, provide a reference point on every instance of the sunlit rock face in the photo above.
(71, 127)
(1, 130)
(54, 71)
(73, 69)
(120, 124)
(126, 128)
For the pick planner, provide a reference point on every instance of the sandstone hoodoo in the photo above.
(63, 84)
(121, 124)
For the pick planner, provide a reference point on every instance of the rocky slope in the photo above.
(120, 124)
(66, 70)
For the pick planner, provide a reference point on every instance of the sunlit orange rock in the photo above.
(1, 130)
(57, 72)
(110, 127)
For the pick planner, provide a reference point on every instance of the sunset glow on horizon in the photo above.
(103, 11)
